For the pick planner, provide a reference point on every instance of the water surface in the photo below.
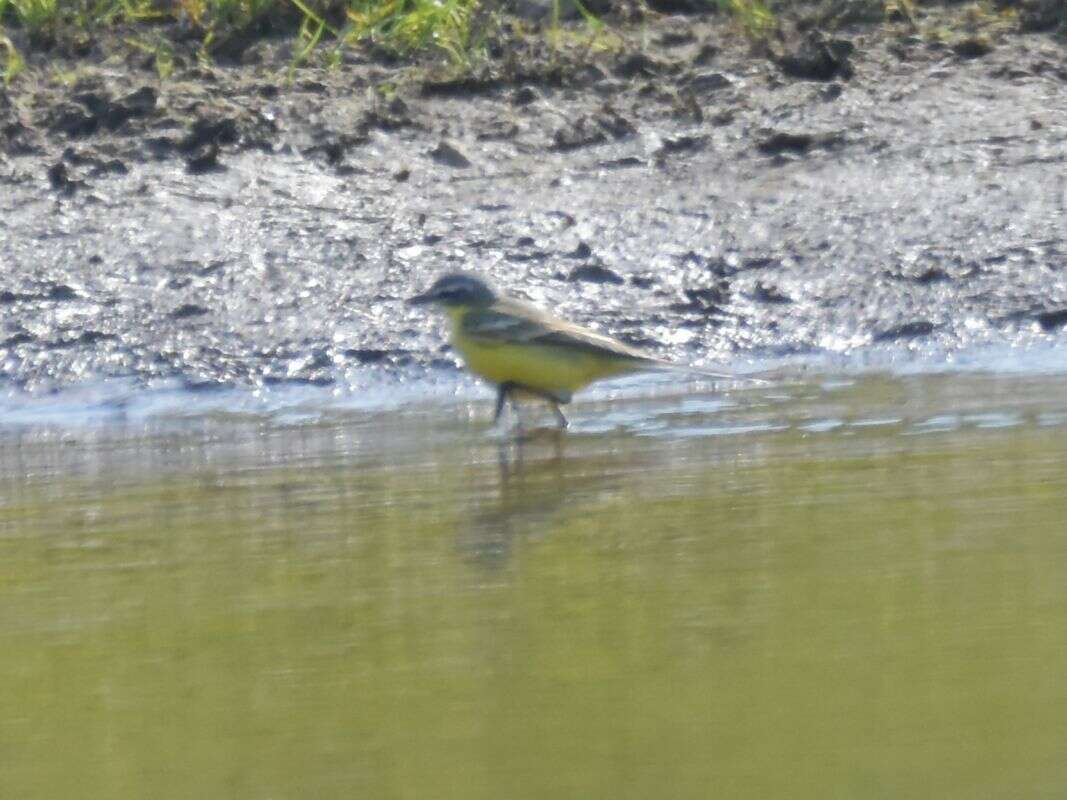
(852, 586)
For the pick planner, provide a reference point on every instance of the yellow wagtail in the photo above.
(523, 350)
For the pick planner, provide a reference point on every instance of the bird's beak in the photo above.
(422, 299)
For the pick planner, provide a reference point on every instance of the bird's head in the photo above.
(456, 290)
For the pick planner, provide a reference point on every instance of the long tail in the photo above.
(657, 365)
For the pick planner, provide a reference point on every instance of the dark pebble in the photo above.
(140, 102)
(92, 337)
(707, 82)
(973, 47)
(710, 297)
(449, 155)
(60, 180)
(209, 131)
(110, 167)
(367, 355)
(769, 294)
(17, 339)
(524, 95)
(582, 251)
(205, 160)
(780, 142)
(188, 310)
(75, 123)
(818, 59)
(1052, 320)
(582, 132)
(909, 330)
(635, 64)
(62, 293)
(932, 275)
(593, 273)
(679, 6)
(681, 144)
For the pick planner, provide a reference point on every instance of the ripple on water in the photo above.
(821, 425)
(994, 419)
(936, 424)
(697, 431)
(875, 422)
(1052, 419)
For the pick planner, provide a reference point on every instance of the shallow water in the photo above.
(843, 586)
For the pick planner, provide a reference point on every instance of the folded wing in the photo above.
(511, 322)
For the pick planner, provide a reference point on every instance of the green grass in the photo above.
(403, 26)
(456, 29)
(754, 16)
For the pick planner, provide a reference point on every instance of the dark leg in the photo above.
(503, 392)
(561, 419)
(515, 410)
(551, 399)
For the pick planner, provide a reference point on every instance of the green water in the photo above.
(855, 591)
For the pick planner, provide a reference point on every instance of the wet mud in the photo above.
(224, 228)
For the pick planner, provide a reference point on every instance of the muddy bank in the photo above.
(222, 228)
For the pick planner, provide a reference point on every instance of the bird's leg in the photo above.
(561, 418)
(503, 392)
(551, 399)
(516, 410)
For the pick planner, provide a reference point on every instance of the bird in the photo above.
(525, 351)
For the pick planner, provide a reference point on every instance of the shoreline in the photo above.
(692, 199)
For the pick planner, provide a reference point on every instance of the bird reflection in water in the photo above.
(536, 485)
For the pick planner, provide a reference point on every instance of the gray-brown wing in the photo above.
(513, 322)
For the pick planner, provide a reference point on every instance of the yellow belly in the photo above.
(555, 371)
